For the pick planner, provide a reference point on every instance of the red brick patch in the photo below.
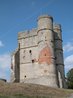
(45, 56)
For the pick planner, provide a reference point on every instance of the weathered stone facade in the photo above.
(39, 56)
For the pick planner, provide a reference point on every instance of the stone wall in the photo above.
(39, 58)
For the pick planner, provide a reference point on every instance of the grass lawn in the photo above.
(21, 90)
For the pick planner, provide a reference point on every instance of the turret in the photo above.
(46, 58)
(59, 54)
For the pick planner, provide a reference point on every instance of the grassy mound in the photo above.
(21, 90)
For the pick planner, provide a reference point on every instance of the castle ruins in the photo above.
(39, 56)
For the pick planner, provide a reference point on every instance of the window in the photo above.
(25, 76)
(32, 61)
(30, 51)
(19, 45)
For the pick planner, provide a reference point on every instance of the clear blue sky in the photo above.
(20, 15)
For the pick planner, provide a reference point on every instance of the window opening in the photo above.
(45, 54)
(32, 61)
(25, 76)
(30, 51)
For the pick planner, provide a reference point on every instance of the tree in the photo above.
(70, 79)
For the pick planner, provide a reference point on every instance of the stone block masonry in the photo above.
(39, 56)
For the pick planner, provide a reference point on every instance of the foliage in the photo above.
(70, 79)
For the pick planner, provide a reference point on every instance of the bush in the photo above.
(70, 79)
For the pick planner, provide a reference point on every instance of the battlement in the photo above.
(57, 26)
(45, 16)
(27, 33)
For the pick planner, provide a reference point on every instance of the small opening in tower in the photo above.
(55, 58)
(45, 38)
(45, 54)
(19, 45)
(30, 51)
(56, 64)
(32, 61)
(25, 76)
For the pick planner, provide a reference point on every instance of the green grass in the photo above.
(21, 90)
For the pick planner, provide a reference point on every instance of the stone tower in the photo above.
(39, 56)
(59, 54)
(46, 50)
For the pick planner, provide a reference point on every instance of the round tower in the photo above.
(59, 54)
(46, 58)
